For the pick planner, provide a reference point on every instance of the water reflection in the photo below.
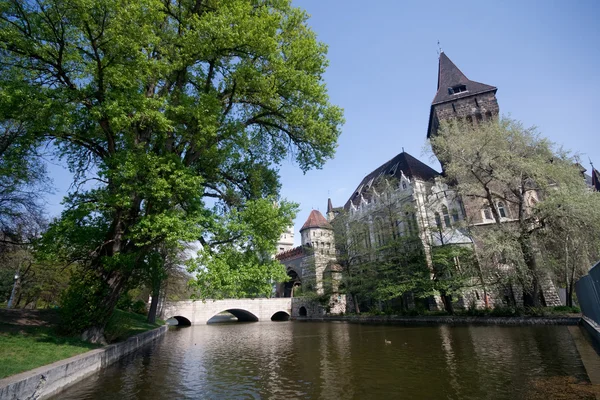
(296, 360)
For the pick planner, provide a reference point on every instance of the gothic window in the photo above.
(501, 209)
(399, 227)
(446, 216)
(379, 237)
(455, 215)
(438, 220)
(487, 212)
(412, 224)
(403, 185)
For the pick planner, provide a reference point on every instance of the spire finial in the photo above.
(403, 149)
(591, 163)
(439, 51)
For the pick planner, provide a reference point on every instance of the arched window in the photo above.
(438, 220)
(399, 227)
(403, 185)
(501, 209)
(379, 234)
(446, 216)
(455, 215)
(487, 212)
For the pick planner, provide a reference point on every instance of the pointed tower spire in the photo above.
(459, 97)
(451, 81)
(329, 206)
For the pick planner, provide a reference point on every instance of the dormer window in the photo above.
(457, 89)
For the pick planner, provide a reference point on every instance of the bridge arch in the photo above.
(241, 315)
(280, 316)
(181, 321)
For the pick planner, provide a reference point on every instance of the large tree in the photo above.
(178, 110)
(519, 178)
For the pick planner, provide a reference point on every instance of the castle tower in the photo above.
(286, 240)
(459, 97)
(318, 233)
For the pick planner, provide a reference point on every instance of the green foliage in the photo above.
(543, 192)
(243, 267)
(184, 112)
(81, 304)
(382, 271)
(122, 325)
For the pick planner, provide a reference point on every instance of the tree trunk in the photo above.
(447, 300)
(531, 298)
(356, 307)
(106, 303)
(153, 306)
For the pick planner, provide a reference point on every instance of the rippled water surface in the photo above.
(309, 360)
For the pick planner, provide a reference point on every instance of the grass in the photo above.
(28, 347)
(124, 324)
(27, 343)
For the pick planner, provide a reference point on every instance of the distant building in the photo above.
(286, 240)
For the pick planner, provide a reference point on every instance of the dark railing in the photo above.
(588, 293)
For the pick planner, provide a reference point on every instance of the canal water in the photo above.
(327, 360)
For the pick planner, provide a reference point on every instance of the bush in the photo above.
(82, 303)
(139, 307)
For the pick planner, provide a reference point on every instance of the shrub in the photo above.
(81, 304)
(139, 307)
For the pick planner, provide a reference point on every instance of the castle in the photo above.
(425, 208)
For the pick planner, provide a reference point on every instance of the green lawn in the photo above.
(27, 344)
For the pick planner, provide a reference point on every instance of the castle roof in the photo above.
(449, 77)
(316, 220)
(403, 163)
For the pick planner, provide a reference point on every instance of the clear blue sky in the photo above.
(543, 56)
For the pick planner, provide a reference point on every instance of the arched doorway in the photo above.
(294, 282)
(302, 311)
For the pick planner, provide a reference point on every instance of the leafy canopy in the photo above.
(178, 112)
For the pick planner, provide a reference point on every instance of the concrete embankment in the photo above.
(43, 382)
(450, 320)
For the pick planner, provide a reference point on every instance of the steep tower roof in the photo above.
(316, 220)
(329, 205)
(450, 77)
(403, 163)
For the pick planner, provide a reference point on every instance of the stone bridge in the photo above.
(199, 312)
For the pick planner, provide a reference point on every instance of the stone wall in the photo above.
(475, 107)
